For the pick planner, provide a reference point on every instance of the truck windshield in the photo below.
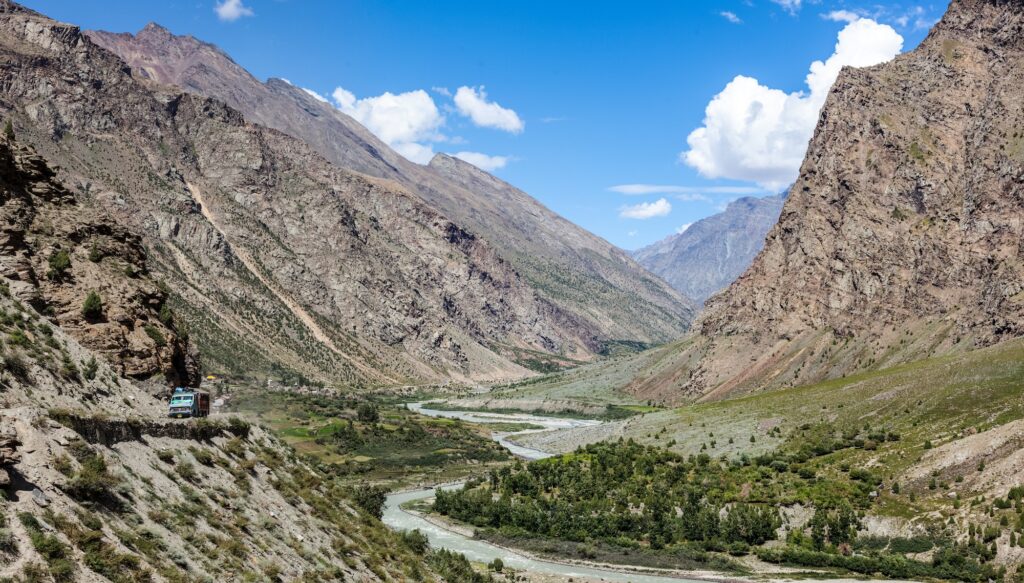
(181, 400)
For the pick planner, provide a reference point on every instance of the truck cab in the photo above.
(188, 403)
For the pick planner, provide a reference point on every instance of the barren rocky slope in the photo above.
(599, 286)
(902, 236)
(94, 484)
(272, 254)
(714, 251)
(55, 252)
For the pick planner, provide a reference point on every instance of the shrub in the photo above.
(15, 363)
(370, 498)
(156, 335)
(8, 544)
(416, 541)
(90, 368)
(188, 471)
(95, 255)
(203, 456)
(367, 413)
(92, 307)
(93, 482)
(60, 263)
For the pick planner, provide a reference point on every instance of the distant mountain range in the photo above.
(587, 294)
(712, 252)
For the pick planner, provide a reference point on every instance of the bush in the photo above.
(416, 541)
(188, 471)
(15, 363)
(497, 565)
(370, 498)
(367, 413)
(203, 456)
(92, 308)
(8, 544)
(93, 482)
(60, 263)
(90, 368)
(156, 335)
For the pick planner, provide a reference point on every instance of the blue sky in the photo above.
(577, 97)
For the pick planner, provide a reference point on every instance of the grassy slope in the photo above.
(444, 450)
(944, 400)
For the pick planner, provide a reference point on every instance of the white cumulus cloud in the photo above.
(483, 161)
(232, 10)
(756, 133)
(646, 210)
(404, 121)
(472, 102)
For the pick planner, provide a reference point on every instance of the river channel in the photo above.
(482, 551)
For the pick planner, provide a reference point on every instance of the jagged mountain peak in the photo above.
(999, 23)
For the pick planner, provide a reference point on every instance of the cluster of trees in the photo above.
(615, 491)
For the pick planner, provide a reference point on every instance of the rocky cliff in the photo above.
(55, 253)
(599, 288)
(902, 236)
(714, 251)
(273, 256)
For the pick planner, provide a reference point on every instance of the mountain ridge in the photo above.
(615, 307)
(417, 297)
(712, 252)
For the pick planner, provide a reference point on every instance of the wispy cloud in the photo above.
(682, 229)
(791, 6)
(731, 17)
(641, 189)
(841, 16)
(646, 210)
(232, 10)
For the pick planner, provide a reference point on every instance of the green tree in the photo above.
(370, 499)
(92, 308)
(9, 130)
(367, 413)
(60, 263)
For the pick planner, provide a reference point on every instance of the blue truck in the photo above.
(189, 403)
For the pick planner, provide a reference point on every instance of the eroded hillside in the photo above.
(599, 290)
(272, 254)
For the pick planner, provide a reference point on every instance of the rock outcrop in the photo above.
(902, 236)
(55, 253)
(601, 292)
(274, 257)
(712, 252)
